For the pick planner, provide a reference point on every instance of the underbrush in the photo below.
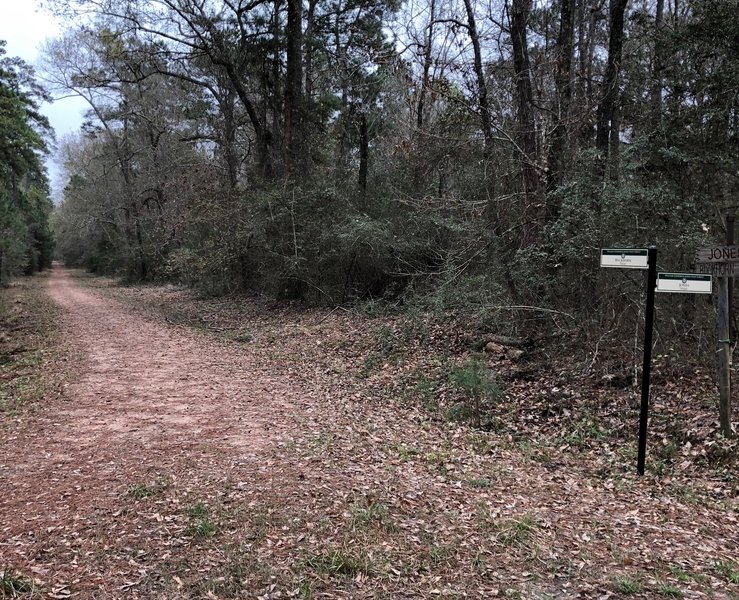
(28, 350)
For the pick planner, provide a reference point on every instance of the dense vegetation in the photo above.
(457, 153)
(25, 237)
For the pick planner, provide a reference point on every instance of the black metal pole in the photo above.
(647, 366)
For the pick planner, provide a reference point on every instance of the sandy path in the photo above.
(150, 399)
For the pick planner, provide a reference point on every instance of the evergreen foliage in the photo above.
(25, 238)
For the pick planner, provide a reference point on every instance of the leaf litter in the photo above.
(226, 448)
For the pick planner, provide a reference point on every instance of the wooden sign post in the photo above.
(723, 261)
(724, 340)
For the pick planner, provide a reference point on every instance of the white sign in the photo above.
(684, 283)
(624, 258)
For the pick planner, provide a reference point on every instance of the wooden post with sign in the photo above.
(730, 220)
(724, 357)
(723, 262)
(724, 341)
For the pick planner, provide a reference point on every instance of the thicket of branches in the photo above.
(453, 152)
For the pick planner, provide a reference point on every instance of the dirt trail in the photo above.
(150, 399)
(153, 387)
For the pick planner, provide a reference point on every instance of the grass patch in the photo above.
(519, 533)
(375, 514)
(340, 562)
(480, 483)
(141, 491)
(241, 337)
(405, 453)
(624, 584)
(425, 390)
(13, 583)
(200, 526)
(684, 576)
(728, 570)
(305, 589)
(668, 590)
(586, 431)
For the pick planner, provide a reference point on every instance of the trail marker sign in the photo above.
(624, 258)
(684, 283)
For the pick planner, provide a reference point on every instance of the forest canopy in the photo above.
(453, 153)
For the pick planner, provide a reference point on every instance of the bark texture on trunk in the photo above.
(607, 138)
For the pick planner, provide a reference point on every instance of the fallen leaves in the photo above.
(362, 488)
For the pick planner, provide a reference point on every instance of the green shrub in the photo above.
(475, 381)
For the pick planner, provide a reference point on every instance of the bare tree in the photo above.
(526, 126)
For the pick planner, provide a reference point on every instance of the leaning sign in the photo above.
(684, 283)
(624, 258)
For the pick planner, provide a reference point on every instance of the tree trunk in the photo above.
(610, 94)
(418, 171)
(482, 88)
(14, 189)
(427, 54)
(592, 27)
(275, 97)
(363, 152)
(658, 64)
(228, 143)
(342, 143)
(292, 132)
(262, 135)
(563, 82)
(309, 46)
(525, 106)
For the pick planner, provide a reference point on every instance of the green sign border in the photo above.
(624, 251)
(685, 276)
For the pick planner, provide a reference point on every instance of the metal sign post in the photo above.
(647, 364)
(639, 258)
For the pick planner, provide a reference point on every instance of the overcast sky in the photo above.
(25, 27)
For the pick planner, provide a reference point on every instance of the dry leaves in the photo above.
(357, 484)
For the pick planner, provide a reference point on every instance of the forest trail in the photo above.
(175, 464)
(148, 399)
(155, 388)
